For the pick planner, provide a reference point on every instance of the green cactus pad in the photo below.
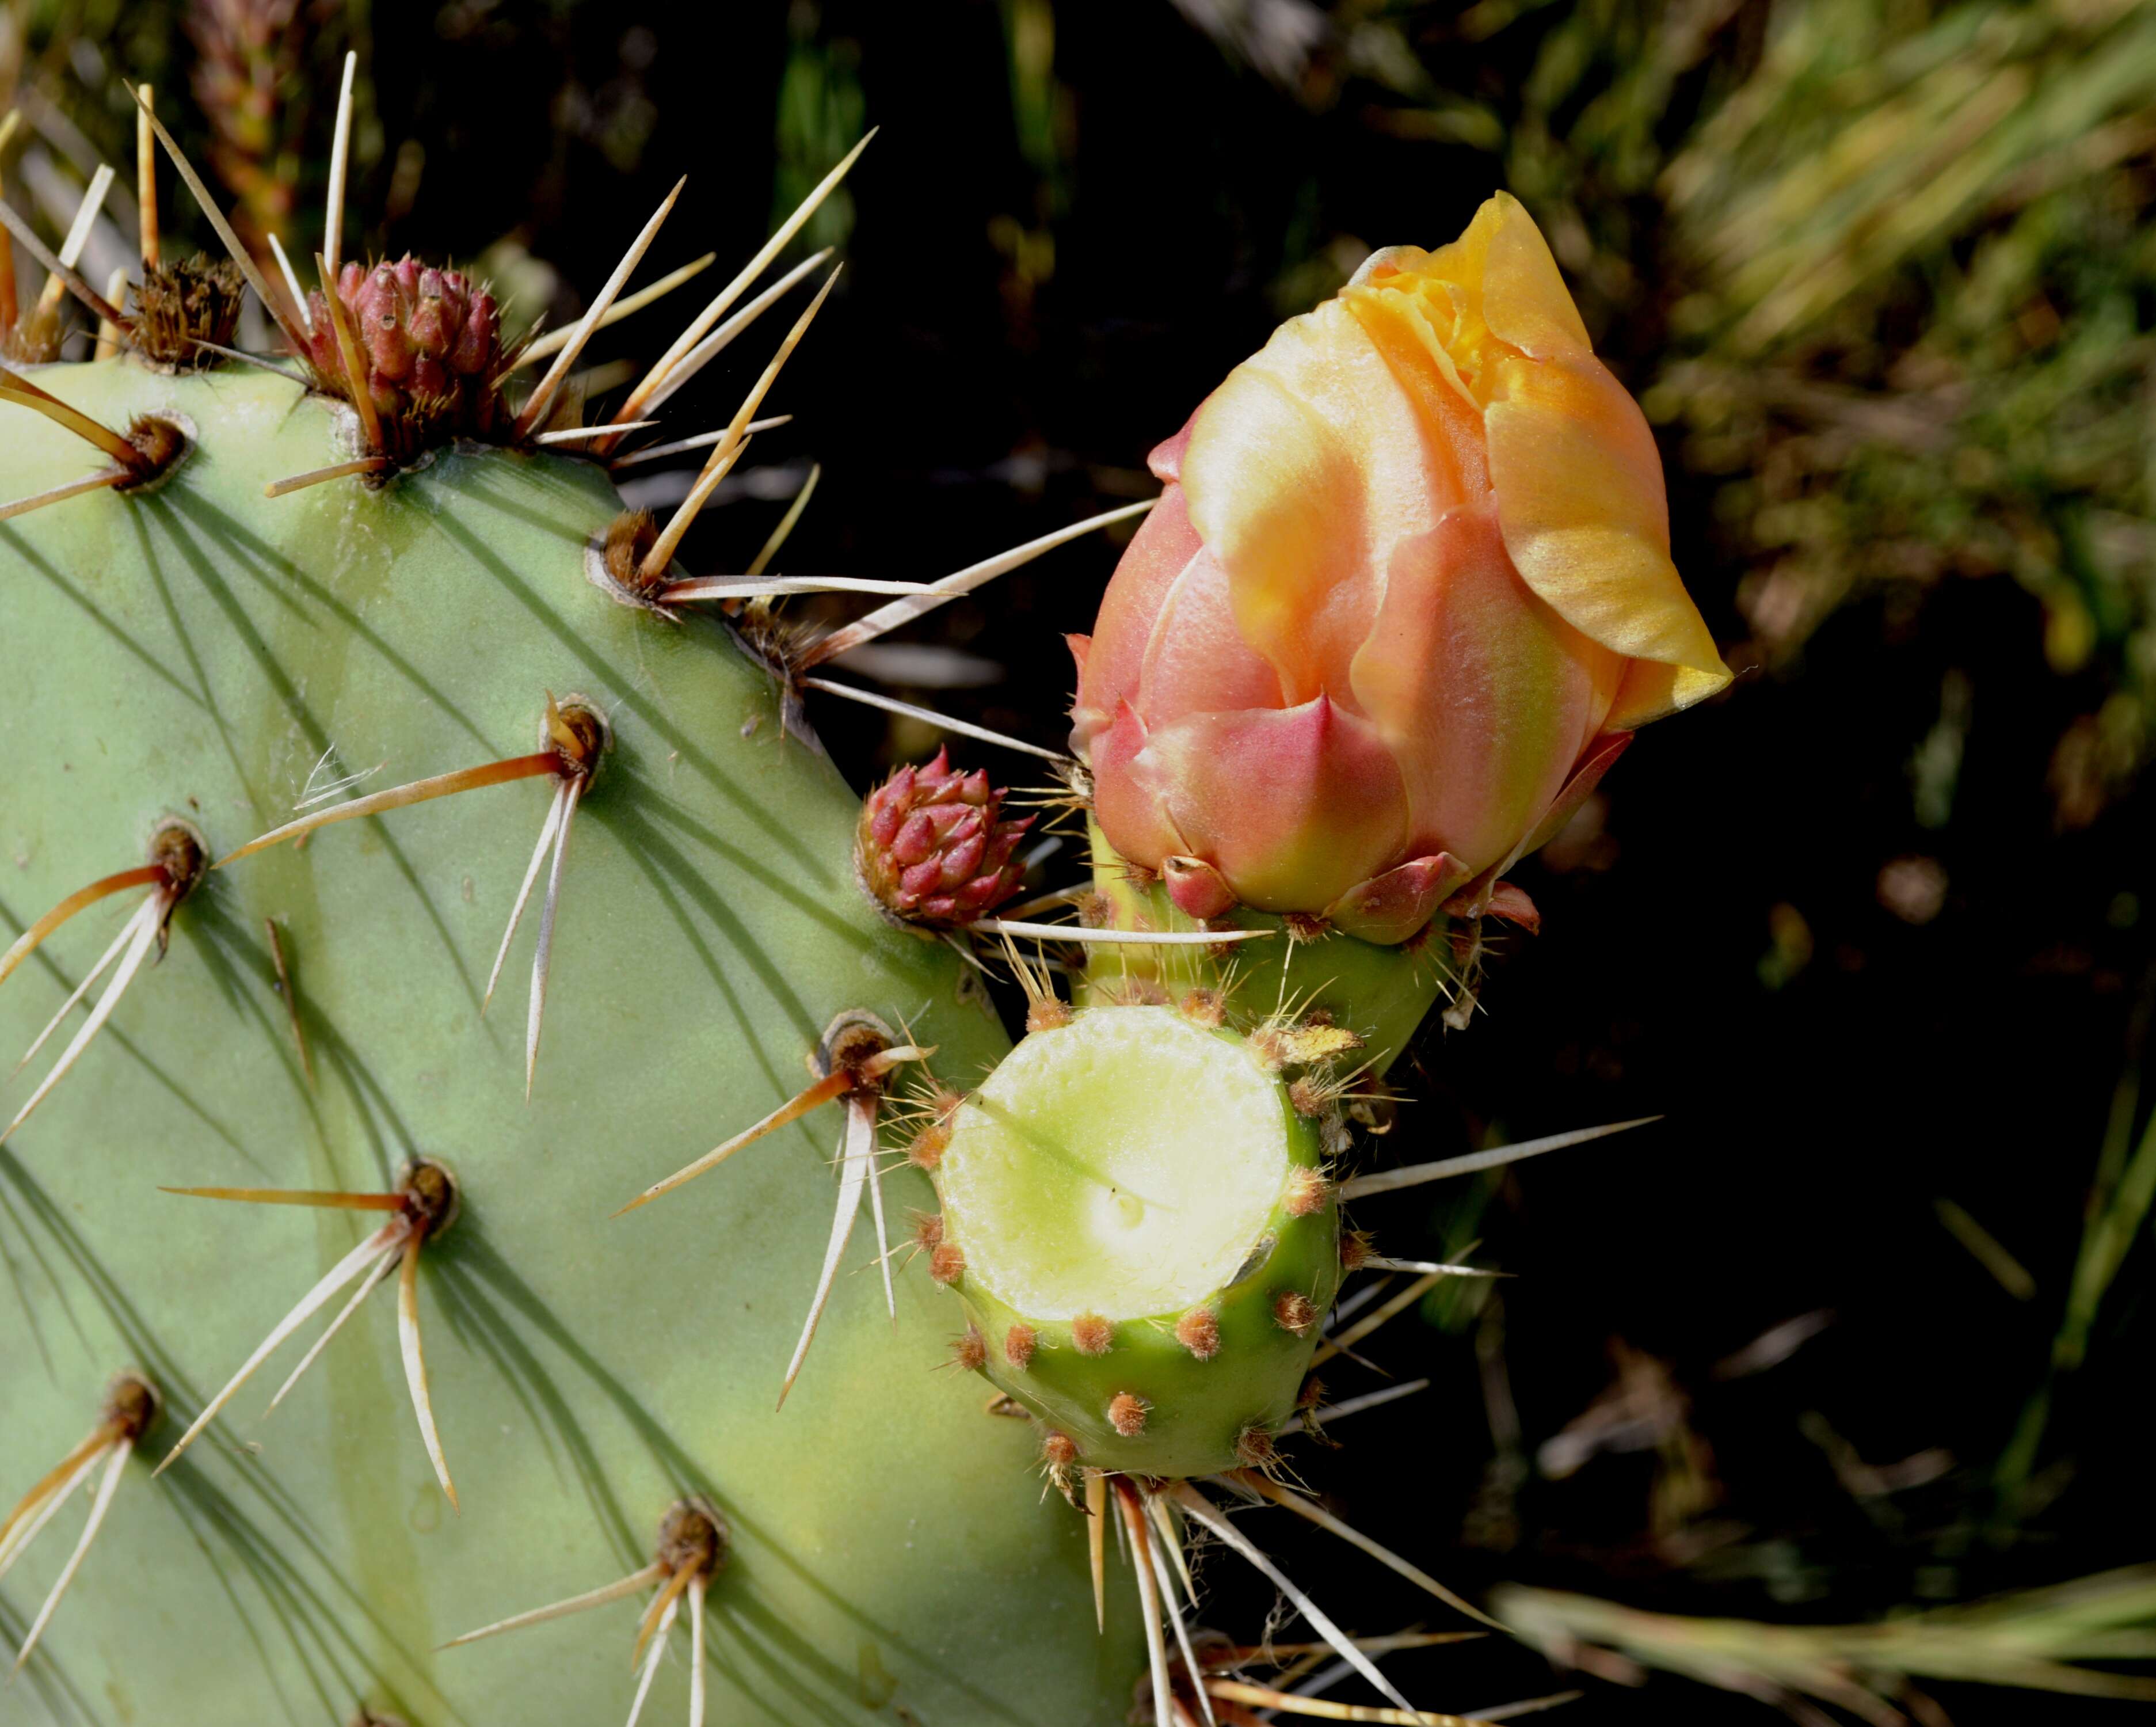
(1145, 1244)
(201, 650)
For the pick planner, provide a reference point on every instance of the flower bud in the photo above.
(431, 351)
(1407, 595)
(932, 848)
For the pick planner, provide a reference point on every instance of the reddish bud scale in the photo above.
(431, 345)
(932, 847)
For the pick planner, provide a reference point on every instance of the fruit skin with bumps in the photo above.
(1186, 1390)
(194, 651)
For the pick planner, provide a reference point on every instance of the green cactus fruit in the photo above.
(1382, 993)
(194, 659)
(1136, 1219)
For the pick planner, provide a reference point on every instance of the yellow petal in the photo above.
(1303, 470)
(1524, 300)
(1580, 498)
(1577, 479)
(1651, 691)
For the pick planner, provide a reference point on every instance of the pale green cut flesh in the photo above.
(1123, 1165)
(196, 652)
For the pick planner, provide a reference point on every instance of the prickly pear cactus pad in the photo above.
(1133, 1216)
(319, 686)
(196, 658)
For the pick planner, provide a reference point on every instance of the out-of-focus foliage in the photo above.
(2033, 1640)
(821, 114)
(1920, 337)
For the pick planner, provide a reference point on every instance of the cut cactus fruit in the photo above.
(1127, 1219)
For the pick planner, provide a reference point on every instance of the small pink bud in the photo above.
(932, 847)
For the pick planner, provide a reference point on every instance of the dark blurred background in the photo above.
(1856, 1328)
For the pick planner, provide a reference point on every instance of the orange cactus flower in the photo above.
(1406, 596)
